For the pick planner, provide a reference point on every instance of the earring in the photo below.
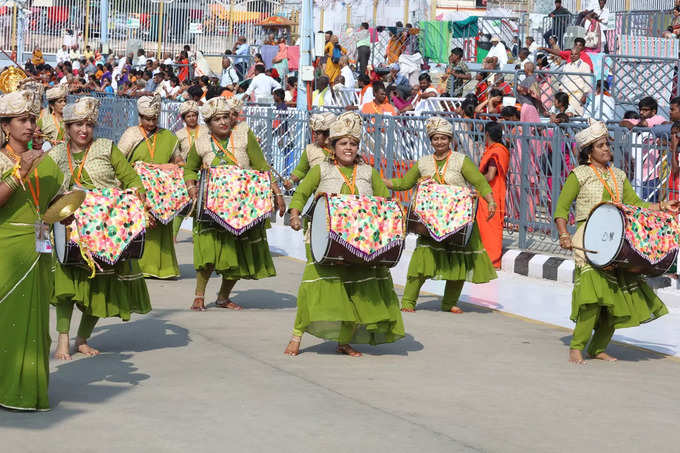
(588, 159)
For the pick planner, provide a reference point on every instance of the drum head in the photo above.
(603, 234)
(60, 241)
(319, 234)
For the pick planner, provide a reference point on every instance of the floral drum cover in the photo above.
(444, 209)
(166, 192)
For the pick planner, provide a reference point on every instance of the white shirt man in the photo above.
(498, 50)
(346, 72)
(63, 55)
(323, 98)
(574, 85)
(261, 86)
(229, 76)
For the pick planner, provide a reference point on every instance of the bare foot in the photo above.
(408, 310)
(604, 356)
(348, 350)
(575, 356)
(293, 347)
(84, 348)
(455, 310)
(199, 304)
(228, 304)
(63, 351)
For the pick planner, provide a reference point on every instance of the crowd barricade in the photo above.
(541, 155)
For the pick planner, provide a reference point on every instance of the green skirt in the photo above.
(348, 304)
(159, 259)
(233, 257)
(435, 261)
(627, 297)
(24, 335)
(117, 291)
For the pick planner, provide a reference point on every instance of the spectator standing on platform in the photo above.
(395, 46)
(63, 54)
(579, 46)
(560, 19)
(499, 51)
(533, 47)
(457, 73)
(229, 76)
(334, 51)
(574, 85)
(261, 86)
(346, 72)
(280, 60)
(363, 47)
(242, 52)
(494, 166)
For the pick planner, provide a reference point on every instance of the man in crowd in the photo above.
(499, 51)
(363, 47)
(229, 76)
(574, 85)
(241, 54)
(323, 95)
(380, 104)
(261, 86)
(560, 20)
(457, 73)
(579, 46)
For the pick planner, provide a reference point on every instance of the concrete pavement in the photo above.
(178, 381)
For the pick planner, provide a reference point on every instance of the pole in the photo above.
(231, 22)
(321, 19)
(349, 15)
(104, 25)
(14, 29)
(406, 6)
(87, 21)
(306, 46)
(375, 12)
(433, 9)
(160, 30)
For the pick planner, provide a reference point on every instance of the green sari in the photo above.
(115, 291)
(159, 259)
(24, 296)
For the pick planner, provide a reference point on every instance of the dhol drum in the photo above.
(443, 213)
(166, 193)
(109, 226)
(357, 230)
(634, 239)
(234, 198)
(68, 250)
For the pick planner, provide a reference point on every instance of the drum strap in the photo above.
(353, 183)
(439, 176)
(225, 152)
(616, 199)
(70, 163)
(151, 148)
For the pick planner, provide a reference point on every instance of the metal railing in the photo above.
(542, 155)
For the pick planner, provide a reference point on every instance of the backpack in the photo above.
(336, 55)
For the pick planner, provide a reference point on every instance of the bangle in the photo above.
(12, 182)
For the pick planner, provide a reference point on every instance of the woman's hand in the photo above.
(288, 184)
(670, 206)
(27, 160)
(193, 190)
(280, 204)
(565, 241)
(491, 208)
(388, 183)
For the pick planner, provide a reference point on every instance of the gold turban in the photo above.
(149, 106)
(57, 92)
(236, 105)
(215, 106)
(188, 106)
(18, 103)
(321, 121)
(348, 124)
(438, 125)
(32, 85)
(85, 108)
(595, 131)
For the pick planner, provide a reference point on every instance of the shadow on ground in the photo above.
(401, 347)
(628, 352)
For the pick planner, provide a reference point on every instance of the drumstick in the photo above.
(583, 249)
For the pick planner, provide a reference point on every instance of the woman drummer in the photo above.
(317, 151)
(187, 136)
(25, 190)
(247, 256)
(147, 142)
(601, 300)
(115, 291)
(437, 260)
(51, 120)
(346, 304)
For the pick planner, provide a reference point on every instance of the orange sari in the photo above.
(491, 231)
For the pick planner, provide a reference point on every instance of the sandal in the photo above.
(348, 350)
(198, 304)
(228, 304)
